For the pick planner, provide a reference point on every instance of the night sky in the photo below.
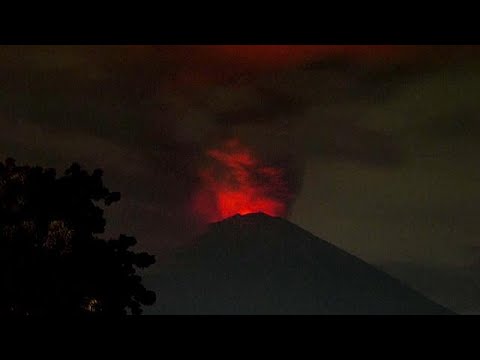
(377, 146)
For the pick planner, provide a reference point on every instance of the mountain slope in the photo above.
(256, 264)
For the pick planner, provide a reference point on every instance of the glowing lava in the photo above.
(235, 182)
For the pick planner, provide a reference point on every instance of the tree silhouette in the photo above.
(51, 261)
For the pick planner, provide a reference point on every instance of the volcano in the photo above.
(258, 264)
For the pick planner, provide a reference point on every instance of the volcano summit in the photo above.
(258, 264)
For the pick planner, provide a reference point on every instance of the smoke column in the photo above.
(234, 181)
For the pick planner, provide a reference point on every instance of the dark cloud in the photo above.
(381, 141)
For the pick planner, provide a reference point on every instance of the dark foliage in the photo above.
(51, 261)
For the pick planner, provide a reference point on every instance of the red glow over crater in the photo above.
(235, 182)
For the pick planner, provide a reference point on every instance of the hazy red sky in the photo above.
(276, 57)
(386, 137)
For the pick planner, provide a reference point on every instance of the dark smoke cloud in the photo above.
(146, 114)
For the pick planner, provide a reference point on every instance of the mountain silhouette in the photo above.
(257, 264)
